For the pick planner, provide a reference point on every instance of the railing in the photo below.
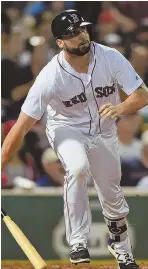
(58, 191)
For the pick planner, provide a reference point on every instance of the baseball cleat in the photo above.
(79, 254)
(125, 261)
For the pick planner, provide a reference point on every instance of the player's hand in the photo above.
(109, 111)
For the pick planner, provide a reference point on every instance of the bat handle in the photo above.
(3, 213)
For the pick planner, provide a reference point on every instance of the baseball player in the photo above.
(79, 90)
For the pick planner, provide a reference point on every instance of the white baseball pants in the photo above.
(83, 156)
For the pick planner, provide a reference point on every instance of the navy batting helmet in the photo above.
(66, 22)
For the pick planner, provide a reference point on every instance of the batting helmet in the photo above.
(66, 22)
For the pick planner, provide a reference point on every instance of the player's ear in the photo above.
(60, 43)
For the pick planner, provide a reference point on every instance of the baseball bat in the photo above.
(23, 242)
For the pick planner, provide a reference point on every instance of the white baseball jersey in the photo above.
(72, 98)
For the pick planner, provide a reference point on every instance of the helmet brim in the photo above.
(85, 23)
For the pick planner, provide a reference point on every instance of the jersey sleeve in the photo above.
(124, 74)
(38, 97)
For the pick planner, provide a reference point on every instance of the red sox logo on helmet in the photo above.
(75, 18)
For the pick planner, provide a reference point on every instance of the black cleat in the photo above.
(79, 254)
(125, 261)
(131, 265)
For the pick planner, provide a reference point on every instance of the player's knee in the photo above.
(79, 169)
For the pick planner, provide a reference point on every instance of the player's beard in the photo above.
(80, 51)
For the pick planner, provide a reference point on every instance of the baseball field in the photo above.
(66, 265)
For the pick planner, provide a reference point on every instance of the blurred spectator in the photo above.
(15, 81)
(56, 7)
(6, 127)
(143, 183)
(54, 172)
(34, 8)
(4, 181)
(106, 25)
(115, 41)
(133, 9)
(126, 24)
(111, 20)
(14, 10)
(42, 27)
(32, 147)
(129, 145)
(39, 57)
(139, 60)
(142, 32)
(136, 169)
(42, 42)
(144, 114)
(90, 10)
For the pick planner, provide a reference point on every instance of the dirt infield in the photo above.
(62, 265)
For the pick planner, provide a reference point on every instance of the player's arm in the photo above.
(131, 84)
(15, 137)
(137, 100)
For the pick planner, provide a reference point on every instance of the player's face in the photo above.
(77, 43)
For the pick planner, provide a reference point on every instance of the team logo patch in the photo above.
(75, 18)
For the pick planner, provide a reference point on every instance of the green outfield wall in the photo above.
(39, 214)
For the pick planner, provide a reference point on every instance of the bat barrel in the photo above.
(23, 242)
(3, 213)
